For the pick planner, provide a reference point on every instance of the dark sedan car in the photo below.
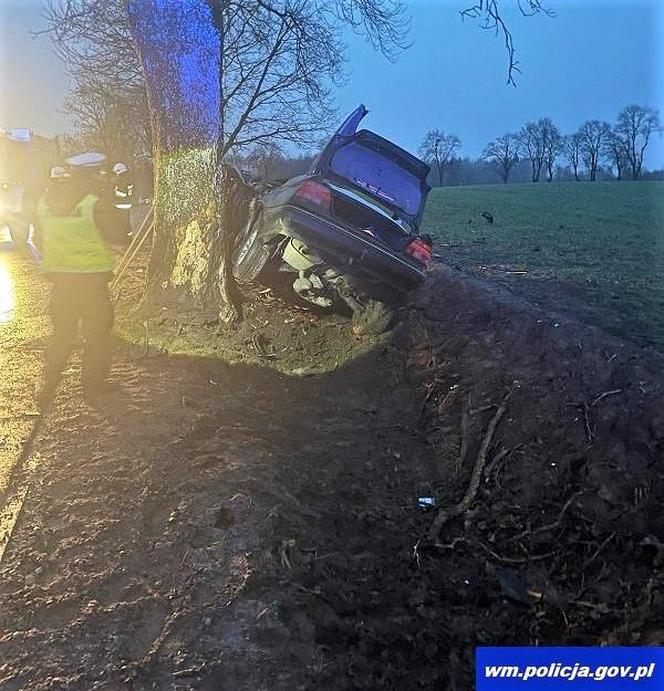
(349, 226)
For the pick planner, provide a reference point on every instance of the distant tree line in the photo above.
(540, 151)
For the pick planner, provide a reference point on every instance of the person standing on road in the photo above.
(75, 233)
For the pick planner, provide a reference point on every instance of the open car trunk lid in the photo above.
(376, 167)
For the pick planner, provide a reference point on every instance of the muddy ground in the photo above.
(257, 524)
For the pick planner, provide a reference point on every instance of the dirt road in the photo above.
(23, 327)
(213, 526)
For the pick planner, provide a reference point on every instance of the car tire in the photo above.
(250, 255)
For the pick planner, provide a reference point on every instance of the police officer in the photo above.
(75, 233)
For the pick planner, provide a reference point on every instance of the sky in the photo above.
(33, 83)
(593, 58)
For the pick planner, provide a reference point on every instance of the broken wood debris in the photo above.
(445, 515)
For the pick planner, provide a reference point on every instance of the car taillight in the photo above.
(315, 194)
(420, 250)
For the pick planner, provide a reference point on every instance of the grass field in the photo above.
(592, 249)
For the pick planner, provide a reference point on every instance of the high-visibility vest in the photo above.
(73, 243)
(123, 196)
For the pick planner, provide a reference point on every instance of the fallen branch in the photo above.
(514, 560)
(585, 408)
(498, 557)
(465, 434)
(548, 526)
(445, 515)
(444, 404)
(493, 463)
(604, 395)
(134, 247)
(430, 388)
(591, 559)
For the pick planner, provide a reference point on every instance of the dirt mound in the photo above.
(562, 541)
(266, 530)
(273, 333)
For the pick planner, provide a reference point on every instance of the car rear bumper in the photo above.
(343, 249)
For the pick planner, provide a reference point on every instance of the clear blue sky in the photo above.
(593, 58)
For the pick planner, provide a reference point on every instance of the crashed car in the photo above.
(348, 229)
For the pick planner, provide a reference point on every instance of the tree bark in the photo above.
(170, 36)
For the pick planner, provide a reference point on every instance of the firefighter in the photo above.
(75, 234)
(123, 187)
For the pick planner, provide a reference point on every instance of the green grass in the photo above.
(594, 249)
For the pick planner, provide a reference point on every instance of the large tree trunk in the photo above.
(179, 48)
(537, 169)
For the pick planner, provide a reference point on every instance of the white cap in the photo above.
(59, 173)
(90, 159)
(120, 168)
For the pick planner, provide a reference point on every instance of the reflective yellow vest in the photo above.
(73, 244)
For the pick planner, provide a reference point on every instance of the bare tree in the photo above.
(532, 142)
(278, 66)
(542, 142)
(503, 153)
(593, 135)
(552, 142)
(572, 150)
(110, 120)
(439, 149)
(226, 75)
(93, 40)
(634, 129)
(615, 152)
(489, 14)
(264, 157)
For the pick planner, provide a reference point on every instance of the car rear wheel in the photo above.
(250, 255)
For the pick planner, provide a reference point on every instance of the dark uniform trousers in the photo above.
(80, 299)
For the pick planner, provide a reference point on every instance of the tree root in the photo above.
(444, 515)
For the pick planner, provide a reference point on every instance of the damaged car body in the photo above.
(348, 229)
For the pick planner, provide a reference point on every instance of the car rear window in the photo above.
(379, 175)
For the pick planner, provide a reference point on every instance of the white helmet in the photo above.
(120, 168)
(59, 173)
